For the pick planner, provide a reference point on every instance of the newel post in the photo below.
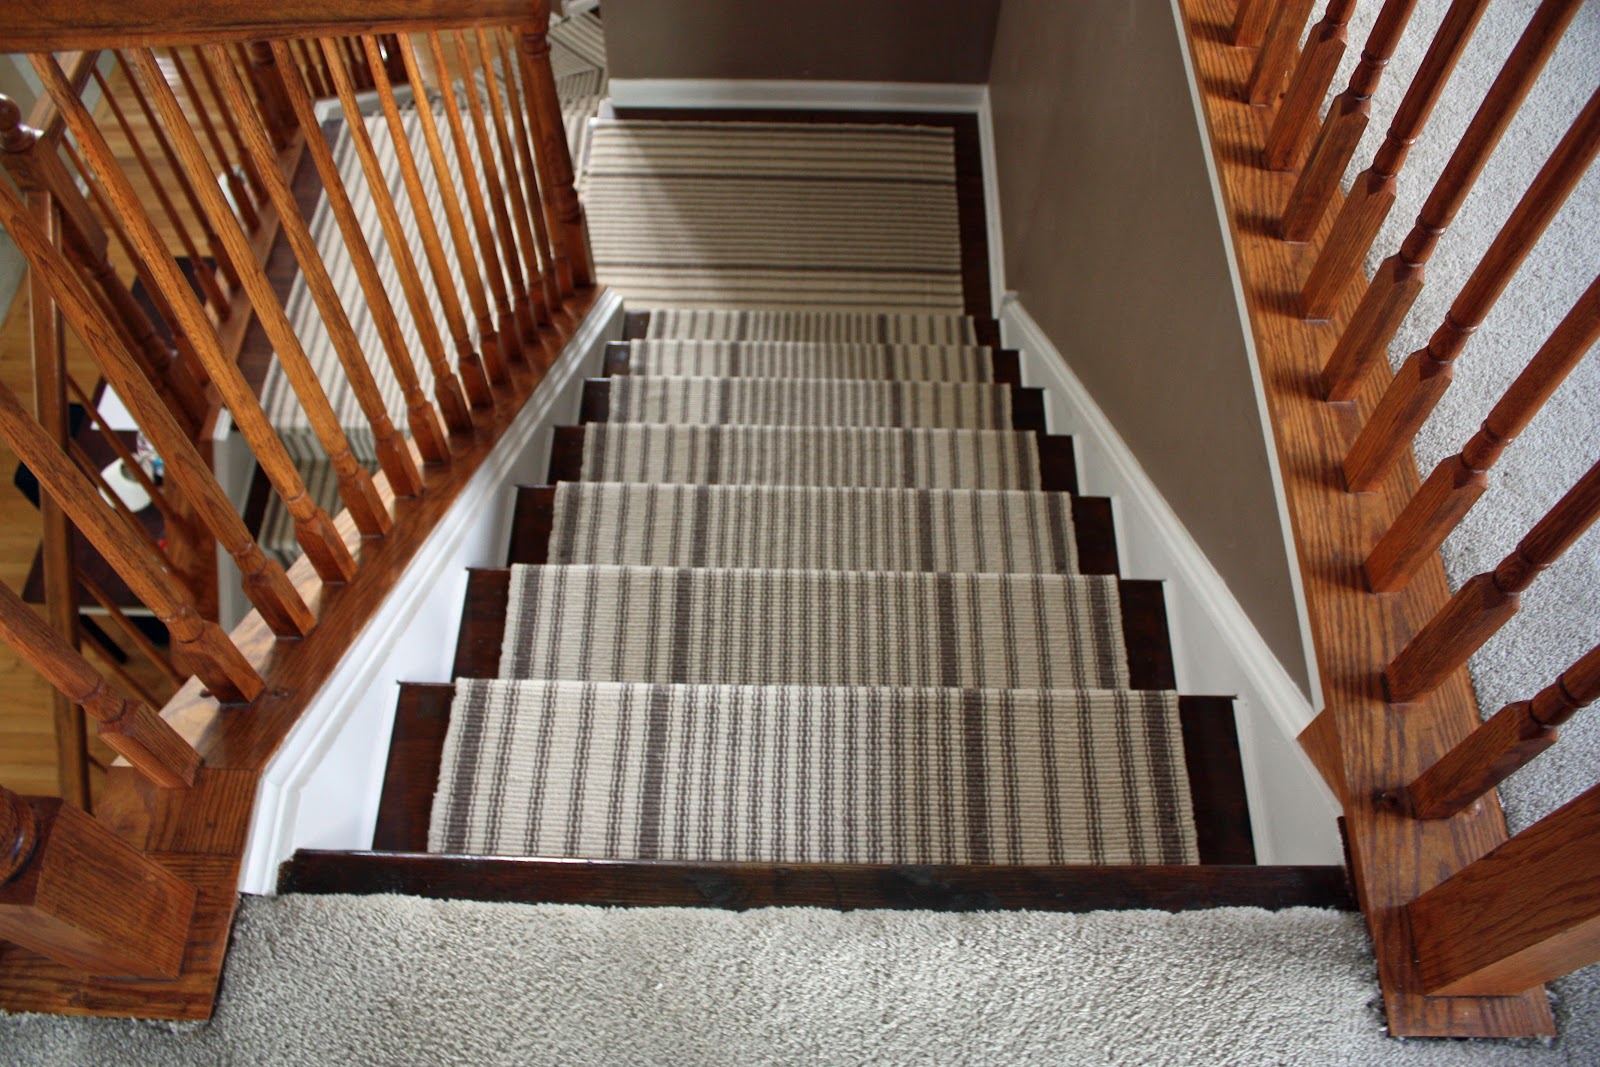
(570, 234)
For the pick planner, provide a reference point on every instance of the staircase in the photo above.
(813, 622)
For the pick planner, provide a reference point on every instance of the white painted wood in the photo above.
(321, 789)
(1216, 649)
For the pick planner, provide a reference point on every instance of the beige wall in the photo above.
(1114, 245)
(837, 40)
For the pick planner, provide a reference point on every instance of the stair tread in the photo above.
(808, 773)
(800, 359)
(819, 402)
(846, 326)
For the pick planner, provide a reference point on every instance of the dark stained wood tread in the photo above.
(1211, 757)
(533, 519)
(844, 887)
(1058, 465)
(1006, 363)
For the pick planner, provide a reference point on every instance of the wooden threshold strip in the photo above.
(1362, 745)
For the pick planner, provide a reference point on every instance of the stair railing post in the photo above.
(518, 68)
(1277, 53)
(1250, 20)
(1296, 120)
(569, 232)
(267, 77)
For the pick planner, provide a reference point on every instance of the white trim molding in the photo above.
(1216, 649)
(755, 94)
(321, 789)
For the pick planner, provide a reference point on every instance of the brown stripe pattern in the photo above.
(813, 774)
(786, 359)
(778, 627)
(817, 327)
(810, 402)
(775, 455)
(981, 531)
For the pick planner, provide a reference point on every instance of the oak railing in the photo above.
(155, 223)
(1467, 923)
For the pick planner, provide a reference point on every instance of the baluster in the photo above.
(1522, 915)
(1373, 192)
(1487, 601)
(394, 456)
(569, 232)
(392, 63)
(243, 205)
(313, 529)
(306, 60)
(1250, 22)
(1457, 482)
(1277, 53)
(268, 587)
(256, 60)
(1505, 744)
(509, 57)
(497, 348)
(204, 274)
(71, 885)
(421, 416)
(473, 377)
(1313, 74)
(1341, 130)
(447, 388)
(146, 647)
(498, 201)
(371, 517)
(114, 440)
(91, 471)
(179, 175)
(356, 62)
(200, 646)
(112, 657)
(508, 329)
(1400, 278)
(210, 65)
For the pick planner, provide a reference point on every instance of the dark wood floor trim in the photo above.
(1096, 535)
(1144, 629)
(844, 887)
(1216, 780)
(483, 624)
(422, 715)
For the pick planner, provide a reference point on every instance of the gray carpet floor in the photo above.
(392, 980)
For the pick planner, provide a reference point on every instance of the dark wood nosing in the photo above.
(1027, 409)
(416, 749)
(635, 325)
(595, 405)
(1095, 532)
(566, 454)
(532, 523)
(1216, 780)
(483, 624)
(1007, 366)
(617, 355)
(1144, 632)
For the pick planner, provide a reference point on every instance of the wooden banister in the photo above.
(1458, 481)
(1399, 280)
(130, 728)
(1526, 913)
(1250, 22)
(568, 231)
(1296, 120)
(1373, 192)
(1278, 51)
(1505, 744)
(1487, 601)
(548, 296)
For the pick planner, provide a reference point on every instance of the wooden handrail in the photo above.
(1296, 120)
(1373, 192)
(1505, 744)
(1278, 52)
(1399, 280)
(1459, 480)
(1487, 601)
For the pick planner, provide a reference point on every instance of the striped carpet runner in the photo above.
(828, 642)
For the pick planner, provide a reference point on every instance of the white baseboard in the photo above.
(1217, 651)
(321, 789)
(754, 93)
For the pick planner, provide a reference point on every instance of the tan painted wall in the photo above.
(836, 40)
(1114, 245)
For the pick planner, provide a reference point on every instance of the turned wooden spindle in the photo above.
(1373, 192)
(1486, 602)
(421, 416)
(1343, 126)
(255, 58)
(393, 454)
(130, 631)
(1278, 52)
(1250, 22)
(497, 348)
(499, 203)
(1458, 481)
(308, 62)
(1518, 917)
(495, 270)
(1296, 120)
(568, 231)
(516, 64)
(210, 65)
(119, 448)
(1505, 744)
(452, 399)
(521, 210)
(474, 378)
(313, 529)
(1399, 280)
(131, 729)
(218, 162)
(198, 645)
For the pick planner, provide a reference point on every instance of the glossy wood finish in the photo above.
(1369, 747)
(569, 232)
(1249, 25)
(1278, 51)
(1524, 914)
(1505, 744)
(220, 163)
(1486, 602)
(1296, 120)
(518, 75)
(1373, 193)
(1459, 480)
